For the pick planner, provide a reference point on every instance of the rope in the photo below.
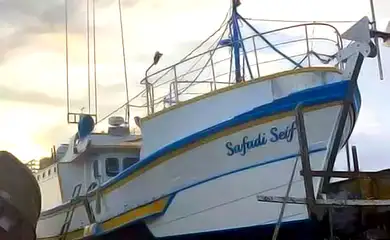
(296, 21)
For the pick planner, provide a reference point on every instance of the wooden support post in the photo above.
(341, 119)
(355, 159)
(348, 157)
(279, 223)
(305, 159)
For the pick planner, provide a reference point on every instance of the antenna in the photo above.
(376, 40)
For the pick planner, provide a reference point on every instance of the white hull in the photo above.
(201, 204)
(230, 202)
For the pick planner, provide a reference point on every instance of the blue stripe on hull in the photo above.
(309, 97)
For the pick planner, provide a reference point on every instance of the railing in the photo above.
(214, 69)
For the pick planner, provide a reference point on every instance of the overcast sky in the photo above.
(32, 61)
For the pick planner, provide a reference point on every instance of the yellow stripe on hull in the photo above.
(141, 212)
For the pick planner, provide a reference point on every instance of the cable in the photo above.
(269, 43)
(296, 21)
(127, 118)
(89, 57)
(189, 54)
(67, 59)
(94, 54)
(200, 45)
(212, 35)
(212, 54)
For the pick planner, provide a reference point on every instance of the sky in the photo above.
(32, 61)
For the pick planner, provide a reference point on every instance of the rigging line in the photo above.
(201, 69)
(67, 58)
(190, 70)
(200, 45)
(143, 91)
(212, 35)
(297, 21)
(127, 118)
(89, 58)
(94, 53)
(211, 55)
(269, 43)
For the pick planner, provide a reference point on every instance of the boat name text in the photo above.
(275, 135)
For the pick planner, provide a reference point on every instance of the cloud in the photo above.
(26, 19)
(32, 97)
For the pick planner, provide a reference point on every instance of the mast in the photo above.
(236, 39)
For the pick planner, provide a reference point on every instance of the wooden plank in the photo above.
(325, 202)
(304, 154)
(341, 119)
(343, 174)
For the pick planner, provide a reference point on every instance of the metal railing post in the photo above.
(213, 71)
(257, 61)
(307, 46)
(147, 95)
(176, 88)
(151, 98)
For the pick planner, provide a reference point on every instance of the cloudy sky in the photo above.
(32, 61)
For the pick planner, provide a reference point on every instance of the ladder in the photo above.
(69, 213)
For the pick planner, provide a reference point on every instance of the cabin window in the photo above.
(43, 175)
(128, 162)
(95, 167)
(112, 167)
(38, 177)
(49, 172)
(55, 169)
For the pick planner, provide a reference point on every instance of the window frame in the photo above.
(110, 173)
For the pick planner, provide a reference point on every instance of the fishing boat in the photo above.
(202, 156)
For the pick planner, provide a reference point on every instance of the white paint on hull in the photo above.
(205, 162)
(230, 202)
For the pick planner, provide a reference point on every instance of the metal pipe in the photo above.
(236, 42)
(376, 40)
(307, 46)
(147, 88)
(124, 61)
(257, 61)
